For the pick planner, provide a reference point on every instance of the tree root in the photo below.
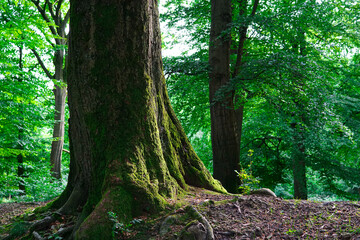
(43, 223)
(37, 236)
(198, 225)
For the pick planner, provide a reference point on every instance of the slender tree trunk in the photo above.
(224, 137)
(20, 156)
(52, 15)
(128, 150)
(59, 116)
(239, 112)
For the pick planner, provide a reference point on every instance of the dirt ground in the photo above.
(242, 217)
(11, 210)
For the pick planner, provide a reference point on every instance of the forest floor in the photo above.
(234, 217)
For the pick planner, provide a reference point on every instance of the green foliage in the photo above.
(298, 82)
(248, 181)
(119, 228)
(26, 106)
(187, 86)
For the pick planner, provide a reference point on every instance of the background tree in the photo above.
(25, 106)
(267, 85)
(128, 150)
(55, 15)
(224, 135)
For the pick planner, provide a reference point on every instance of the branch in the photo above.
(48, 74)
(44, 16)
(65, 21)
(242, 33)
(256, 3)
(65, 150)
(52, 12)
(58, 8)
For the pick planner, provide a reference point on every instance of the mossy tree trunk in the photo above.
(224, 137)
(128, 150)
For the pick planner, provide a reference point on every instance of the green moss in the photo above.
(98, 225)
(45, 208)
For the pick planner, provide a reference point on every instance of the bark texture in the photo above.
(128, 149)
(60, 101)
(58, 131)
(224, 128)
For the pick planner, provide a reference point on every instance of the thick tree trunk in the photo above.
(128, 150)
(299, 172)
(299, 154)
(299, 164)
(224, 128)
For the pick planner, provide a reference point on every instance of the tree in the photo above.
(279, 112)
(24, 106)
(56, 17)
(226, 117)
(224, 136)
(301, 72)
(128, 150)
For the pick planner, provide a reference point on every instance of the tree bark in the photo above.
(59, 116)
(225, 144)
(128, 150)
(299, 154)
(20, 145)
(299, 164)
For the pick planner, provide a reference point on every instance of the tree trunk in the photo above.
(59, 116)
(239, 112)
(299, 154)
(299, 164)
(52, 15)
(299, 172)
(224, 137)
(128, 150)
(20, 145)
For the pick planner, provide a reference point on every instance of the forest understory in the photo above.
(230, 216)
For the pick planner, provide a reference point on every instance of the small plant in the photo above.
(248, 181)
(294, 232)
(55, 237)
(296, 202)
(271, 210)
(119, 228)
(291, 231)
